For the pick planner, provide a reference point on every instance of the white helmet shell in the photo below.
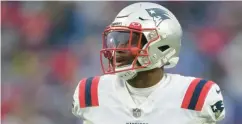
(164, 51)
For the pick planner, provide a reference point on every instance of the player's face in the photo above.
(120, 41)
(121, 48)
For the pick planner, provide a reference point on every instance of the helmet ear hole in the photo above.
(163, 48)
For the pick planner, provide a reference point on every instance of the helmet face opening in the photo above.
(121, 48)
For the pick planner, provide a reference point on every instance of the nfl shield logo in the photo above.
(136, 112)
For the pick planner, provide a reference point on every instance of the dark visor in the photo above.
(121, 39)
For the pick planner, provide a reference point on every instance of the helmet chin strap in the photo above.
(130, 74)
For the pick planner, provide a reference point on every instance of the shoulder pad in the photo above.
(88, 92)
(196, 94)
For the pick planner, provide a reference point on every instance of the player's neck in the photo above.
(147, 78)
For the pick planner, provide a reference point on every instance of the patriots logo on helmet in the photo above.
(158, 15)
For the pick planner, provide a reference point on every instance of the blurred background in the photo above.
(47, 47)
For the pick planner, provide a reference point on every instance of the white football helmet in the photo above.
(152, 34)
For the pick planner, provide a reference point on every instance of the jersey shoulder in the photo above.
(203, 96)
(86, 94)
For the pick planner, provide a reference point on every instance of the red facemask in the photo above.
(122, 46)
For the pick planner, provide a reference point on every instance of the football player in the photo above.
(143, 39)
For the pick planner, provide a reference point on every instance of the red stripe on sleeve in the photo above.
(203, 95)
(189, 92)
(94, 91)
(82, 86)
